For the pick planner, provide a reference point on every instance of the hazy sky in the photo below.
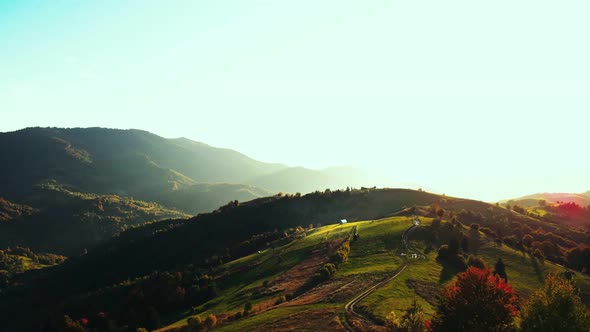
(483, 99)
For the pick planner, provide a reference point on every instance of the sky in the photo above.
(479, 99)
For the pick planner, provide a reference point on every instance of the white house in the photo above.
(343, 221)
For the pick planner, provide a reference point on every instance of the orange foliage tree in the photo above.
(476, 301)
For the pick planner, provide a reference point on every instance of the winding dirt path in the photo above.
(349, 307)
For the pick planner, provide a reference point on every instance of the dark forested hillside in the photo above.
(225, 232)
(55, 183)
(122, 162)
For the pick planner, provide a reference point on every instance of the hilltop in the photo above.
(582, 199)
(565, 208)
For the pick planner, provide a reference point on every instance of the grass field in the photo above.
(524, 274)
(375, 253)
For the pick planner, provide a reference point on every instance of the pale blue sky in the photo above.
(483, 99)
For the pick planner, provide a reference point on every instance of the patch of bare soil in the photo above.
(338, 290)
(297, 276)
(310, 320)
(428, 290)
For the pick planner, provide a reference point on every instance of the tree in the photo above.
(326, 272)
(247, 307)
(476, 301)
(211, 321)
(500, 269)
(152, 320)
(555, 307)
(453, 246)
(464, 243)
(435, 223)
(440, 213)
(391, 321)
(66, 324)
(476, 262)
(413, 318)
(194, 323)
(527, 240)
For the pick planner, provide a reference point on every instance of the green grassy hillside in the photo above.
(269, 279)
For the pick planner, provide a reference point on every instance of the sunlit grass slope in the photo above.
(375, 253)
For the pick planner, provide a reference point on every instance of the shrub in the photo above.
(341, 255)
(488, 232)
(476, 262)
(391, 320)
(413, 318)
(326, 272)
(555, 307)
(455, 260)
(247, 307)
(194, 323)
(435, 223)
(527, 240)
(281, 299)
(500, 269)
(211, 321)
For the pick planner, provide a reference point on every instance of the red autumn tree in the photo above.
(476, 301)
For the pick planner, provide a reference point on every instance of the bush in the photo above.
(211, 321)
(445, 255)
(247, 308)
(281, 299)
(435, 223)
(413, 319)
(391, 320)
(341, 255)
(476, 262)
(527, 240)
(555, 307)
(510, 241)
(194, 323)
(500, 269)
(326, 272)
(488, 232)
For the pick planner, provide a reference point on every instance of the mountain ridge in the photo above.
(582, 199)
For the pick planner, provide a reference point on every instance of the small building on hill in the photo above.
(343, 221)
